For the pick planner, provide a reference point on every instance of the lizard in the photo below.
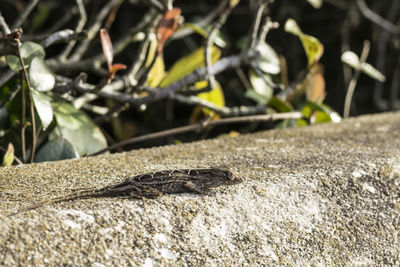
(153, 185)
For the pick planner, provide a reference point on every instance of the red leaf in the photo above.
(118, 66)
(107, 47)
(167, 27)
(114, 68)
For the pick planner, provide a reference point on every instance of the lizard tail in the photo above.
(78, 195)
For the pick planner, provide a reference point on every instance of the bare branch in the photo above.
(92, 31)
(202, 23)
(7, 75)
(353, 82)
(202, 125)
(63, 36)
(93, 63)
(256, 25)
(25, 14)
(375, 18)
(269, 24)
(223, 111)
(155, 4)
(210, 41)
(4, 26)
(108, 91)
(79, 28)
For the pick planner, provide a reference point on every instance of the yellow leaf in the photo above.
(156, 73)
(314, 84)
(312, 46)
(8, 158)
(215, 96)
(188, 64)
(152, 52)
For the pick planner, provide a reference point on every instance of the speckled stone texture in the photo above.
(327, 194)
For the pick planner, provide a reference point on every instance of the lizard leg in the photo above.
(145, 191)
(191, 186)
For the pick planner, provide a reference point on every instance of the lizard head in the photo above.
(220, 176)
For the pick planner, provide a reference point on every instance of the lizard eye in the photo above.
(229, 175)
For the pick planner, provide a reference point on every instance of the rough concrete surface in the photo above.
(320, 195)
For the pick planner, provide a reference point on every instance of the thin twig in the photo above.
(155, 4)
(7, 75)
(243, 78)
(25, 14)
(79, 28)
(201, 125)
(345, 42)
(108, 91)
(32, 108)
(92, 31)
(354, 79)
(23, 114)
(256, 25)
(63, 36)
(223, 111)
(212, 83)
(381, 58)
(375, 18)
(202, 23)
(93, 63)
(262, 76)
(4, 25)
(138, 63)
(268, 25)
(112, 113)
(61, 22)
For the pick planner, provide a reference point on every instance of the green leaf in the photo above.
(261, 91)
(301, 122)
(312, 46)
(8, 158)
(219, 39)
(57, 149)
(279, 105)
(13, 62)
(351, 59)
(256, 97)
(268, 61)
(320, 117)
(316, 3)
(43, 107)
(319, 113)
(306, 111)
(188, 64)
(40, 76)
(78, 129)
(29, 50)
